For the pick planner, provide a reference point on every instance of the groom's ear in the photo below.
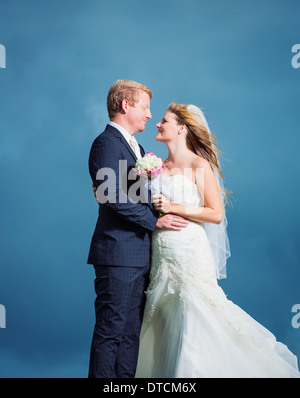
(125, 105)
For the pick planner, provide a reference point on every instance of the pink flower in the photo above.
(155, 171)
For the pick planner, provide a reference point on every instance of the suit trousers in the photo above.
(119, 308)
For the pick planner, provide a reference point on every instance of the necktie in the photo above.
(135, 147)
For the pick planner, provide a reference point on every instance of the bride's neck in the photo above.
(176, 151)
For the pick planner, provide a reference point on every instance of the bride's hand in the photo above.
(95, 191)
(162, 204)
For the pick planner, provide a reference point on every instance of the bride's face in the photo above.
(168, 128)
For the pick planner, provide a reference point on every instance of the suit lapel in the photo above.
(142, 150)
(117, 134)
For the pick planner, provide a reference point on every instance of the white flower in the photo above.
(149, 165)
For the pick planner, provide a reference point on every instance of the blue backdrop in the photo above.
(231, 58)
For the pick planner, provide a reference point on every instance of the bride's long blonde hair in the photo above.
(199, 140)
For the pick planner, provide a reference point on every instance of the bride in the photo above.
(190, 329)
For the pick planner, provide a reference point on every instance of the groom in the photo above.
(121, 244)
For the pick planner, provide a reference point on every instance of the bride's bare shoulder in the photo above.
(200, 163)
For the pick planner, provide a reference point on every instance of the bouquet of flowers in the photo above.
(149, 166)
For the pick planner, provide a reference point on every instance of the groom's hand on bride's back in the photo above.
(171, 221)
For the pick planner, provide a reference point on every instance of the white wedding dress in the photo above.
(190, 328)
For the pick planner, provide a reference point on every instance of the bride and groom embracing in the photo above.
(159, 309)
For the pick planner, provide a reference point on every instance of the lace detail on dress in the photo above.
(182, 260)
(190, 328)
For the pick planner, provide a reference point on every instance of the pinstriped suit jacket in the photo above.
(122, 234)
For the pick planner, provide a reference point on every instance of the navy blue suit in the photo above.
(121, 254)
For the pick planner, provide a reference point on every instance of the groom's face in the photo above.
(138, 114)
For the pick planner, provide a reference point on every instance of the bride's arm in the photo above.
(213, 210)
